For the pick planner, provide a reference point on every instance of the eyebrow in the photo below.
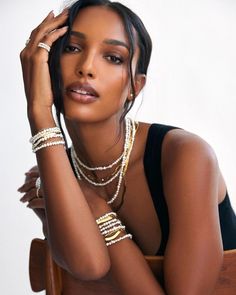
(106, 41)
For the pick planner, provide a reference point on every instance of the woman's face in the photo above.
(94, 66)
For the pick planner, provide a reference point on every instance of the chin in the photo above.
(88, 113)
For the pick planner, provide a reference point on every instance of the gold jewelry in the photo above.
(127, 236)
(104, 217)
(115, 235)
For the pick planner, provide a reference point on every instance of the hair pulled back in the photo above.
(130, 20)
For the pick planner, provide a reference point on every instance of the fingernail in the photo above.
(51, 13)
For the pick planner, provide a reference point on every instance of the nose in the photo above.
(86, 66)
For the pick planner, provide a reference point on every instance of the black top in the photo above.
(152, 166)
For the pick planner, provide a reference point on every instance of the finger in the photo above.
(49, 23)
(52, 37)
(28, 185)
(27, 197)
(34, 169)
(36, 203)
(49, 16)
(30, 195)
(32, 173)
(45, 28)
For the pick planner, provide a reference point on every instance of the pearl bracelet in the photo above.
(48, 144)
(106, 217)
(109, 224)
(119, 239)
(43, 132)
(111, 227)
(46, 137)
(43, 136)
(112, 230)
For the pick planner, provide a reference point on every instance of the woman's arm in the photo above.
(194, 252)
(129, 270)
(71, 225)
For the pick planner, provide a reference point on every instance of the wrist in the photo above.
(101, 209)
(40, 118)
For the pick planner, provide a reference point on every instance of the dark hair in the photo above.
(130, 20)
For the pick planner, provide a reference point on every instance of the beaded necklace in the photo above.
(130, 131)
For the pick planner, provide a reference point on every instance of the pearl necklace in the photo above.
(76, 161)
(99, 167)
(130, 132)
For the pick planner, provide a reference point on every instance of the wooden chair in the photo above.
(46, 275)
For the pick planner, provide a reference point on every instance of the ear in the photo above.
(139, 83)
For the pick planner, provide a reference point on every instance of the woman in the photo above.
(164, 183)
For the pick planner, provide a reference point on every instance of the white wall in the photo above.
(191, 84)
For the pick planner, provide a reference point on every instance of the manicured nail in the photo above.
(51, 13)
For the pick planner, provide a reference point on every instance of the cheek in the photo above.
(116, 83)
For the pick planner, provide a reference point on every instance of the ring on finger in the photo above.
(38, 182)
(37, 192)
(44, 46)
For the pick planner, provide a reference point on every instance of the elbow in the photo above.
(90, 270)
(86, 268)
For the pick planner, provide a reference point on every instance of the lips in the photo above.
(82, 88)
(82, 92)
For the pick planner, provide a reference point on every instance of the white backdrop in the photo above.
(191, 84)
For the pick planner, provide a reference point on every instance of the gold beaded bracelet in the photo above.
(111, 227)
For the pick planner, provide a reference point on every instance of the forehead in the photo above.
(100, 22)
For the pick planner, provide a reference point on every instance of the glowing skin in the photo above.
(97, 56)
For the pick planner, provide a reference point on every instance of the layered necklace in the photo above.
(83, 171)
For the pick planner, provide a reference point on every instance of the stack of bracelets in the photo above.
(44, 138)
(111, 228)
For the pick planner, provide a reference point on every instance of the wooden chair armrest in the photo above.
(45, 274)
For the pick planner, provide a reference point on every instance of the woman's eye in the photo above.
(72, 48)
(114, 59)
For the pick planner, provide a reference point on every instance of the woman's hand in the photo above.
(34, 62)
(97, 205)
(36, 203)
(30, 190)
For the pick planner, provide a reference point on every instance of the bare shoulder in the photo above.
(182, 144)
(190, 167)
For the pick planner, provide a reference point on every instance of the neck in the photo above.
(97, 143)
